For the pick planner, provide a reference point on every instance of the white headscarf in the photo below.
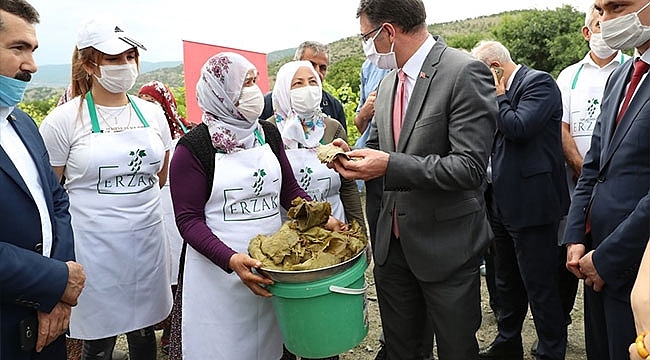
(217, 91)
(295, 130)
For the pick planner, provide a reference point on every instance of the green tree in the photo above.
(346, 72)
(38, 109)
(547, 40)
(466, 41)
(181, 100)
(349, 99)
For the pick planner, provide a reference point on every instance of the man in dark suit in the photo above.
(318, 55)
(427, 153)
(530, 196)
(609, 220)
(39, 281)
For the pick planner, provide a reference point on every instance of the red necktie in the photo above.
(399, 105)
(640, 68)
(398, 117)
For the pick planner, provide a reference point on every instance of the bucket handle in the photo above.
(348, 291)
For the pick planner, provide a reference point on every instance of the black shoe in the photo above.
(381, 354)
(533, 348)
(501, 351)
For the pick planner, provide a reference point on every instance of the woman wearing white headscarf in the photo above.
(229, 177)
(303, 126)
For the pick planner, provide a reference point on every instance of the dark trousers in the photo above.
(405, 304)
(609, 323)
(142, 346)
(567, 282)
(526, 274)
(488, 257)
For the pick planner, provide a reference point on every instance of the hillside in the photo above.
(51, 79)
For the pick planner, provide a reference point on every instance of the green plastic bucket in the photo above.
(325, 317)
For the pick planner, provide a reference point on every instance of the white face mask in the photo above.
(305, 101)
(625, 32)
(382, 61)
(117, 78)
(599, 47)
(251, 103)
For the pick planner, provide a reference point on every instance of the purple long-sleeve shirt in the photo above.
(188, 186)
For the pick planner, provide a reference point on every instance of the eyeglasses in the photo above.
(365, 37)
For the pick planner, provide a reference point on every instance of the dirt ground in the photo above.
(368, 348)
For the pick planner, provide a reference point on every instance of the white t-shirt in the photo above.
(66, 130)
(582, 85)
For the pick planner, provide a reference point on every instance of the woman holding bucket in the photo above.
(229, 176)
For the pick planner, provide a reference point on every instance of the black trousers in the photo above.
(142, 346)
(406, 304)
(526, 267)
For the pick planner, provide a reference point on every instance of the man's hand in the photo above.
(366, 112)
(592, 278)
(52, 325)
(242, 264)
(499, 84)
(76, 281)
(574, 253)
(367, 164)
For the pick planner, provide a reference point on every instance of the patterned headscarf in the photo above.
(218, 89)
(161, 93)
(296, 131)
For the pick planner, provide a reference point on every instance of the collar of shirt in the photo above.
(512, 76)
(645, 57)
(4, 112)
(587, 60)
(413, 65)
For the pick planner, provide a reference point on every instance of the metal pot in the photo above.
(300, 276)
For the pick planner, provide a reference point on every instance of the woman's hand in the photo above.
(242, 264)
(334, 224)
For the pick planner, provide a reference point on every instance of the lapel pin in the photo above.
(423, 75)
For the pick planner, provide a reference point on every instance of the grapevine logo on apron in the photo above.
(261, 205)
(114, 180)
(321, 189)
(584, 124)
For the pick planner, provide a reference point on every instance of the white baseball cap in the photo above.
(107, 37)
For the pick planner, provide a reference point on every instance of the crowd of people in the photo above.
(123, 221)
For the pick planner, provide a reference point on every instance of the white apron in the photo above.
(320, 182)
(174, 238)
(222, 319)
(119, 235)
(585, 108)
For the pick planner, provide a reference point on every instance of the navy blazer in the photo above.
(528, 173)
(615, 184)
(28, 280)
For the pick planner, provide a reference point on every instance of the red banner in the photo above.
(196, 54)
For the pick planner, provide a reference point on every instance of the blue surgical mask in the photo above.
(11, 91)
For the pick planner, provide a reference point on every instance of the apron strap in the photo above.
(93, 113)
(137, 111)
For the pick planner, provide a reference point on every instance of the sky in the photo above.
(254, 25)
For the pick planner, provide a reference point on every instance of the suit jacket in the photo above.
(615, 185)
(528, 172)
(435, 173)
(28, 280)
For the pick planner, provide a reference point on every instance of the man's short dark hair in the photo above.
(407, 14)
(20, 8)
